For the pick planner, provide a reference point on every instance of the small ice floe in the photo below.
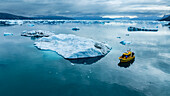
(125, 42)
(75, 29)
(7, 34)
(73, 47)
(37, 33)
(31, 25)
(140, 29)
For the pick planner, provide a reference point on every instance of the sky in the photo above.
(77, 8)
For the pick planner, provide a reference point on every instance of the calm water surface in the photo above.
(27, 71)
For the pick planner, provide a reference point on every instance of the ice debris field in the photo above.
(67, 45)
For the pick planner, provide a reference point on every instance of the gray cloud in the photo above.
(86, 7)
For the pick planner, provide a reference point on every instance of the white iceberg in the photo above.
(37, 33)
(73, 47)
(7, 34)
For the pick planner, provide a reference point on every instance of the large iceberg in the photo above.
(72, 47)
(37, 33)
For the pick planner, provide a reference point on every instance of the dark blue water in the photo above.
(27, 71)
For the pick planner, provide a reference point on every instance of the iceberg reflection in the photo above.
(86, 61)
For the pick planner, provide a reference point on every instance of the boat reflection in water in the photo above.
(126, 64)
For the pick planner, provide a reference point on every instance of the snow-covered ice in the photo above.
(7, 34)
(37, 33)
(72, 47)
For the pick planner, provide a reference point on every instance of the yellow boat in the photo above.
(126, 57)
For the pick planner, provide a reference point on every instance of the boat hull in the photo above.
(126, 59)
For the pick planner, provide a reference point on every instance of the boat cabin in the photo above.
(129, 54)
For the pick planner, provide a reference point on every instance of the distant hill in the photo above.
(11, 16)
(146, 18)
(139, 18)
(15, 17)
(53, 18)
(165, 18)
(92, 18)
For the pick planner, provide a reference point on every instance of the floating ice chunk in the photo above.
(75, 29)
(7, 34)
(140, 29)
(11, 22)
(125, 42)
(31, 25)
(73, 47)
(37, 33)
(14, 22)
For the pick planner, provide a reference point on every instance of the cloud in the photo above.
(86, 7)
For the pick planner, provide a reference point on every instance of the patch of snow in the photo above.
(73, 47)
